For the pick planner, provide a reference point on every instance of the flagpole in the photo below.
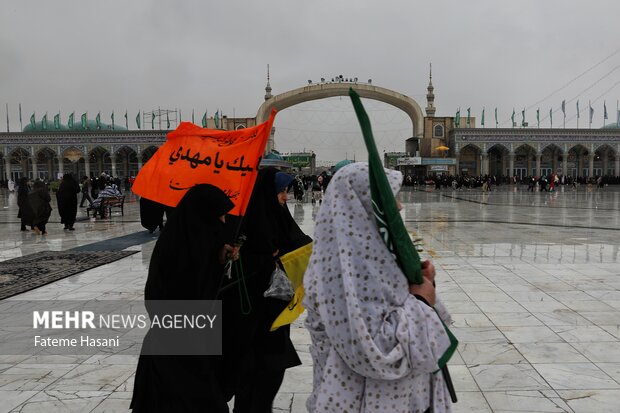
(7, 117)
(21, 127)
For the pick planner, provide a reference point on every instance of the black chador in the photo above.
(257, 357)
(185, 266)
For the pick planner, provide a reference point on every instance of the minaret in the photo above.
(430, 96)
(268, 87)
(271, 141)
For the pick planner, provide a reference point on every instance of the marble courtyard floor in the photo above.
(532, 281)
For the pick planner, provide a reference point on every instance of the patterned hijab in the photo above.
(374, 345)
(348, 240)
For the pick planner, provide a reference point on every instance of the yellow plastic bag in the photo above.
(295, 264)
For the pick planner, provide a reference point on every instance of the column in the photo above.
(617, 165)
(456, 165)
(35, 173)
(538, 156)
(485, 164)
(113, 162)
(511, 165)
(565, 164)
(87, 166)
(605, 162)
(590, 165)
(61, 164)
(7, 167)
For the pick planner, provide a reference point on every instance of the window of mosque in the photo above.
(438, 131)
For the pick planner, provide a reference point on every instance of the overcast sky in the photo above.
(87, 55)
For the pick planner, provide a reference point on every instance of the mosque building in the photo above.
(438, 144)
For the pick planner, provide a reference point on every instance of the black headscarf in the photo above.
(268, 225)
(184, 263)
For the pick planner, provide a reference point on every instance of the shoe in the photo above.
(44, 233)
(37, 231)
(71, 229)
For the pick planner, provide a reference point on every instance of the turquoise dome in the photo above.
(611, 126)
(274, 155)
(342, 163)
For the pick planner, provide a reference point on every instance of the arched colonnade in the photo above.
(48, 162)
(538, 159)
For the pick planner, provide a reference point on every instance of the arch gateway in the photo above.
(341, 88)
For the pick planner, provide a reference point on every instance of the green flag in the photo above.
(98, 120)
(204, 120)
(538, 117)
(112, 116)
(388, 218)
(482, 120)
(513, 117)
(217, 119)
(57, 121)
(44, 122)
(152, 120)
(523, 117)
(468, 116)
(457, 118)
(33, 122)
(70, 122)
(126, 120)
(496, 117)
(138, 120)
(84, 120)
(193, 116)
(384, 206)
(167, 120)
(551, 116)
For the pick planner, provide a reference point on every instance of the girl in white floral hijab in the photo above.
(375, 346)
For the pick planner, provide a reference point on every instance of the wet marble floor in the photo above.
(532, 281)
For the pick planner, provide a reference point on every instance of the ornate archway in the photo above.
(327, 90)
(469, 160)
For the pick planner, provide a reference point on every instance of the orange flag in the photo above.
(194, 155)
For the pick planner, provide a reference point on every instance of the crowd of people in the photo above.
(34, 200)
(487, 182)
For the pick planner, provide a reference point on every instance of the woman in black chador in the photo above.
(186, 264)
(39, 200)
(258, 358)
(67, 200)
(25, 211)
